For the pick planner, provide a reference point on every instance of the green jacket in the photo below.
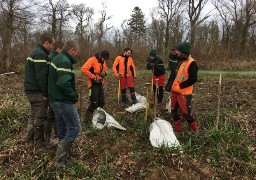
(61, 80)
(36, 71)
(52, 55)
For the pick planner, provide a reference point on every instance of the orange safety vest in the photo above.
(119, 61)
(182, 76)
(92, 68)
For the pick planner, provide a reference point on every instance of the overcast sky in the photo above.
(118, 9)
(121, 9)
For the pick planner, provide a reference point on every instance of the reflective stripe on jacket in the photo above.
(119, 67)
(182, 76)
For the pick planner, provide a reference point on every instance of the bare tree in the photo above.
(242, 16)
(169, 10)
(12, 12)
(83, 16)
(102, 26)
(194, 12)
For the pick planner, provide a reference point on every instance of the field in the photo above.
(227, 152)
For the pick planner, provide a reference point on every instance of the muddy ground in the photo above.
(116, 154)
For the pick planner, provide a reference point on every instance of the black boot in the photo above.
(39, 136)
(63, 152)
(87, 118)
(30, 135)
(123, 103)
(134, 100)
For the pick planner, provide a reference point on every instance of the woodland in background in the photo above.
(220, 37)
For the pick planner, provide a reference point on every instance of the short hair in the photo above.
(58, 44)
(70, 45)
(127, 49)
(46, 36)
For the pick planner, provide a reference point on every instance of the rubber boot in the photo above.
(178, 125)
(123, 102)
(193, 127)
(39, 140)
(30, 136)
(134, 100)
(87, 118)
(63, 152)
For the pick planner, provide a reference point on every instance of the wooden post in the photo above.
(155, 101)
(152, 82)
(218, 105)
(118, 91)
(147, 101)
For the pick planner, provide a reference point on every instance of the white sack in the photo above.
(141, 104)
(101, 118)
(161, 134)
(136, 107)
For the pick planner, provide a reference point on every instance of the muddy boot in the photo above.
(134, 100)
(193, 127)
(63, 151)
(39, 140)
(87, 119)
(123, 102)
(178, 125)
(30, 136)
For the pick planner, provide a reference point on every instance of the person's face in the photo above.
(49, 45)
(178, 53)
(74, 52)
(127, 53)
(152, 58)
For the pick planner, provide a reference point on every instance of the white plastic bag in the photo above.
(141, 104)
(101, 118)
(161, 134)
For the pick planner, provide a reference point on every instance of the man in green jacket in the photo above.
(62, 99)
(50, 124)
(36, 88)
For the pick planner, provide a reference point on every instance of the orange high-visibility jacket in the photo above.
(119, 67)
(92, 68)
(182, 75)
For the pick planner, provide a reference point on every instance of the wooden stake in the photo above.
(155, 98)
(218, 105)
(118, 91)
(147, 101)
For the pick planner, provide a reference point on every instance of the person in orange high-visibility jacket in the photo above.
(95, 68)
(124, 69)
(182, 88)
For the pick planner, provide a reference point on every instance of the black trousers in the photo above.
(97, 97)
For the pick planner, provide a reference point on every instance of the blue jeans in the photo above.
(67, 119)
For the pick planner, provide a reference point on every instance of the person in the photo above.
(155, 63)
(95, 68)
(124, 69)
(62, 99)
(36, 88)
(182, 88)
(171, 68)
(50, 124)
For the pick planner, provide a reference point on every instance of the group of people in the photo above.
(49, 85)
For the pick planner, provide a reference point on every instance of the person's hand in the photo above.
(103, 74)
(152, 65)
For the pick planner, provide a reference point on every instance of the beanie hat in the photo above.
(184, 48)
(152, 53)
(104, 54)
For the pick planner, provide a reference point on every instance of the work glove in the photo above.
(96, 81)
(152, 65)
(103, 74)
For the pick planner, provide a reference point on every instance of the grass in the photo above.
(113, 154)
